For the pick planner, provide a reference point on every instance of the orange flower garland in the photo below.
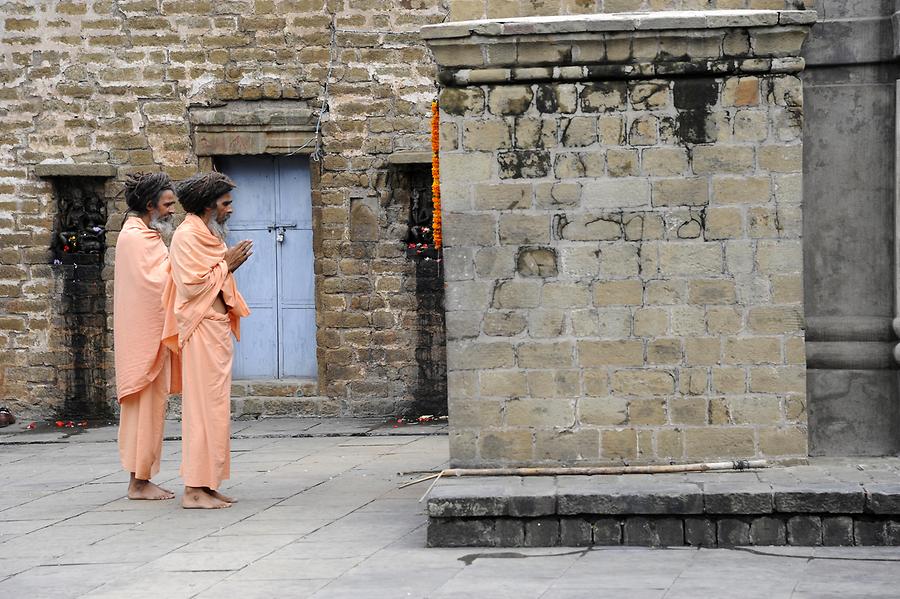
(436, 174)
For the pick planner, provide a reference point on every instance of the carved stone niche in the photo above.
(247, 128)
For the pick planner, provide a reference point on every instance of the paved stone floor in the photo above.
(321, 515)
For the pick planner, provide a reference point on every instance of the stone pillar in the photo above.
(850, 153)
(622, 225)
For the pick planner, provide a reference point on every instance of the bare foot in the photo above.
(195, 498)
(144, 489)
(220, 496)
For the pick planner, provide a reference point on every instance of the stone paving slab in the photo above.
(324, 518)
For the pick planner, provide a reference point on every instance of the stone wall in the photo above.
(462, 10)
(623, 248)
(111, 81)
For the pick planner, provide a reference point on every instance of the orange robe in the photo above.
(145, 373)
(203, 336)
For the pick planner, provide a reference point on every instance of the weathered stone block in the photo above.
(610, 353)
(691, 258)
(603, 96)
(575, 531)
(828, 498)
(566, 295)
(469, 229)
(733, 498)
(768, 530)
(579, 131)
(805, 531)
(869, 531)
(503, 383)
(616, 193)
(743, 190)
(510, 100)
(612, 293)
(540, 412)
(509, 445)
(458, 532)
(602, 411)
(883, 498)
(523, 164)
(837, 531)
(546, 355)
(517, 294)
(474, 355)
(503, 324)
(587, 227)
(486, 135)
(621, 163)
(664, 161)
(700, 532)
(537, 262)
(643, 382)
(465, 101)
(733, 532)
(542, 532)
(607, 531)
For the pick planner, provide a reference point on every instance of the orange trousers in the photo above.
(142, 418)
(206, 403)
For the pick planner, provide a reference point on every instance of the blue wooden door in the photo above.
(273, 208)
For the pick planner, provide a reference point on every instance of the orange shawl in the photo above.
(199, 273)
(141, 273)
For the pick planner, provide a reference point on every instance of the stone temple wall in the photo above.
(622, 228)
(463, 10)
(112, 82)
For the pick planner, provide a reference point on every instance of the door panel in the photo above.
(273, 208)
(297, 302)
(256, 356)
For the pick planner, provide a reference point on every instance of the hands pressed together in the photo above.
(238, 254)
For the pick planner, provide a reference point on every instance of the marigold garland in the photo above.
(436, 175)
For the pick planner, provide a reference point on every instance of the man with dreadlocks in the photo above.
(204, 308)
(145, 371)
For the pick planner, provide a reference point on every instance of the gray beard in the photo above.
(164, 226)
(218, 229)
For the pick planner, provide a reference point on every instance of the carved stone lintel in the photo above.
(249, 128)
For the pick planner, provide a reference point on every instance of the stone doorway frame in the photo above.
(273, 127)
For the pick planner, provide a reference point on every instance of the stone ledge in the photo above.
(75, 169)
(625, 45)
(409, 157)
(728, 509)
(629, 21)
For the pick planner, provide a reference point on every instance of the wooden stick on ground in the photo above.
(594, 470)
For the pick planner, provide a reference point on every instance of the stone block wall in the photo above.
(623, 248)
(464, 10)
(112, 82)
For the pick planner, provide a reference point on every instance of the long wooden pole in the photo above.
(595, 470)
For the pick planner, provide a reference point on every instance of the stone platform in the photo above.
(828, 502)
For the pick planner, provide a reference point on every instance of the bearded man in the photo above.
(145, 371)
(204, 309)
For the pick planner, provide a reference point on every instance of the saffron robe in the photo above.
(146, 371)
(203, 337)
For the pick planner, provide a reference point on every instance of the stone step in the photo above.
(634, 510)
(275, 388)
(246, 408)
(256, 406)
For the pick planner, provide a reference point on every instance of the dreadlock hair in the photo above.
(201, 191)
(145, 188)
